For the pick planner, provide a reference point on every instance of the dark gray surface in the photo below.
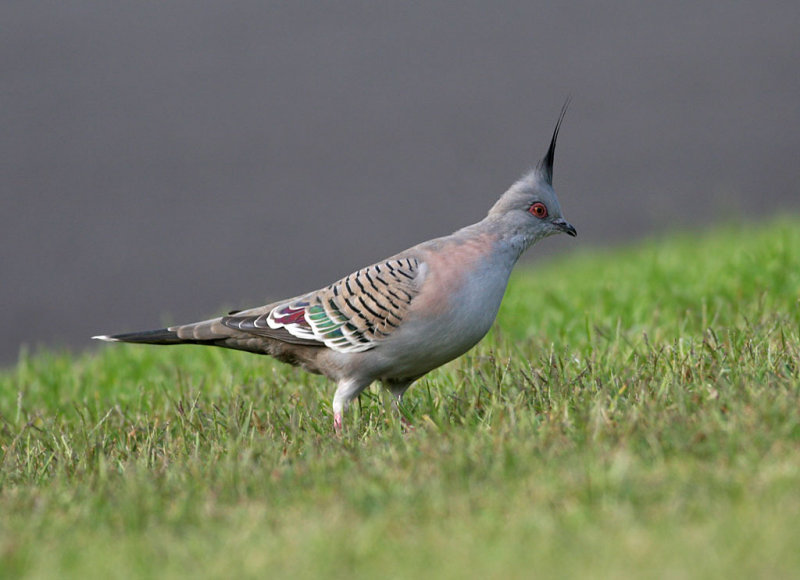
(161, 161)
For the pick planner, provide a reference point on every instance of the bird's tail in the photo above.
(160, 336)
(205, 332)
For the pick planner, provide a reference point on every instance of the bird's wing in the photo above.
(351, 315)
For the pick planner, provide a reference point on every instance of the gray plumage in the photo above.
(402, 317)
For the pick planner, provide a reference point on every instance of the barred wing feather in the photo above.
(351, 315)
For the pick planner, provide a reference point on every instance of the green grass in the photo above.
(635, 413)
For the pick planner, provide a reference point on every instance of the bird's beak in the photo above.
(565, 227)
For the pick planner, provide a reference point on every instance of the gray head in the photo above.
(531, 205)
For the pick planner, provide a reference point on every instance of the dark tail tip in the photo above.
(161, 336)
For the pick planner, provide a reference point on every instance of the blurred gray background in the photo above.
(164, 161)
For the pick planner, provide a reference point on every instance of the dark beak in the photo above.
(565, 227)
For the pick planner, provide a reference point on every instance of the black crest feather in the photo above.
(546, 164)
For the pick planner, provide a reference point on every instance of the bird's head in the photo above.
(530, 205)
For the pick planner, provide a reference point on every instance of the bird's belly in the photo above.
(424, 345)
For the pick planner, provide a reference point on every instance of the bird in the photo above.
(398, 319)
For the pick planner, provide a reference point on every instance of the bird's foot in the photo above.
(337, 423)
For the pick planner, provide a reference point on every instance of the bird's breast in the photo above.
(456, 306)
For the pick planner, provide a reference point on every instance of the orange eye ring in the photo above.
(538, 210)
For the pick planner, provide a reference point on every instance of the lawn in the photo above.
(635, 413)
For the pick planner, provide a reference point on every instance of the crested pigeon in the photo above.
(398, 319)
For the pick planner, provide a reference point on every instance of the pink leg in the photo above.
(346, 391)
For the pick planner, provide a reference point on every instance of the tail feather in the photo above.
(160, 336)
(215, 332)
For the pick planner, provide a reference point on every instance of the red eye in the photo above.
(539, 210)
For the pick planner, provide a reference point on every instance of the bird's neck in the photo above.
(503, 240)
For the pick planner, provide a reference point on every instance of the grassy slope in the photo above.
(635, 413)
